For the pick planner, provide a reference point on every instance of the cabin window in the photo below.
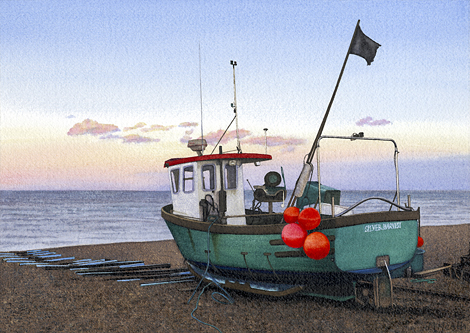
(175, 180)
(188, 179)
(208, 177)
(230, 176)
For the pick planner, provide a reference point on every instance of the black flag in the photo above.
(363, 46)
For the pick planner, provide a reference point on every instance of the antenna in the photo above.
(200, 96)
(234, 105)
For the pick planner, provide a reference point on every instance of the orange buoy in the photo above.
(309, 218)
(316, 246)
(420, 242)
(291, 214)
(293, 235)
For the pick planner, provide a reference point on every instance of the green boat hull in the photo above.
(258, 252)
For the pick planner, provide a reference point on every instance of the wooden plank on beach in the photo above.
(59, 259)
(22, 262)
(431, 271)
(142, 272)
(43, 256)
(9, 255)
(186, 274)
(96, 263)
(187, 279)
(124, 268)
(13, 259)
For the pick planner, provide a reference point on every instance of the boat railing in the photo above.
(373, 198)
(361, 137)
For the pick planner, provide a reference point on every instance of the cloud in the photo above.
(70, 116)
(274, 141)
(154, 128)
(138, 125)
(188, 124)
(213, 137)
(369, 121)
(92, 127)
(110, 137)
(185, 139)
(288, 149)
(135, 138)
(187, 136)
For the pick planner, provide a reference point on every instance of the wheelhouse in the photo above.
(210, 185)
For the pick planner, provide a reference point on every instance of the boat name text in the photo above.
(382, 226)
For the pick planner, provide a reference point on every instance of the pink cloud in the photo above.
(154, 128)
(138, 125)
(369, 121)
(92, 127)
(185, 139)
(135, 138)
(188, 124)
(213, 137)
(274, 141)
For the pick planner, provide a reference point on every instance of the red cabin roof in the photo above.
(245, 158)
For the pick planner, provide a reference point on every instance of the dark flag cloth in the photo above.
(363, 46)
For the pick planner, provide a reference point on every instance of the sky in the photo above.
(96, 95)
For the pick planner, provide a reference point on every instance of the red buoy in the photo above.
(309, 218)
(291, 214)
(316, 246)
(293, 235)
(420, 242)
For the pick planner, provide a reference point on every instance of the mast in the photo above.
(200, 97)
(320, 130)
(234, 105)
(308, 168)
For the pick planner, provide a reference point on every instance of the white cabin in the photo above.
(210, 185)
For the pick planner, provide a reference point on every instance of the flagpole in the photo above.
(320, 130)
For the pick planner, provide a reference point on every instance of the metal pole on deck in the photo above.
(266, 140)
(234, 105)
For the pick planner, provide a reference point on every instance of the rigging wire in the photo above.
(223, 134)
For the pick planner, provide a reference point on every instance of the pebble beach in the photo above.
(33, 299)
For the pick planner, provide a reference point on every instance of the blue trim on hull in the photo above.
(294, 277)
(256, 285)
(318, 285)
(287, 277)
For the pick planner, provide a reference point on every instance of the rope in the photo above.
(206, 273)
(194, 310)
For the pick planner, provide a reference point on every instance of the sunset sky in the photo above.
(96, 95)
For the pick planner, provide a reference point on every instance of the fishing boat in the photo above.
(350, 254)
(242, 248)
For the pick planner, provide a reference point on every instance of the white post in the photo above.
(266, 141)
(234, 105)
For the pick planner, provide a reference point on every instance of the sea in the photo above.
(46, 219)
